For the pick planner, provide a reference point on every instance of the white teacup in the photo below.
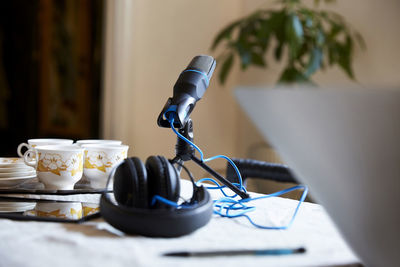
(98, 141)
(100, 159)
(58, 167)
(42, 142)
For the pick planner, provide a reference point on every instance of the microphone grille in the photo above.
(203, 63)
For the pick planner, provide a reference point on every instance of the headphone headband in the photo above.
(159, 222)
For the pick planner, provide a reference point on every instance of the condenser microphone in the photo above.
(188, 89)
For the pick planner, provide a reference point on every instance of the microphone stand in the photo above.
(185, 152)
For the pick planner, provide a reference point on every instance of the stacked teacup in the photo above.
(14, 172)
(60, 166)
(56, 161)
(101, 156)
(32, 143)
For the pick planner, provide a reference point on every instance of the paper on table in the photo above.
(90, 244)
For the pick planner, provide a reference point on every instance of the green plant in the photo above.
(312, 39)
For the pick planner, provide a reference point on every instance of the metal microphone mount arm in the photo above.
(184, 152)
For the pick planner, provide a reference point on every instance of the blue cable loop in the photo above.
(167, 202)
(163, 200)
(224, 206)
(185, 139)
(171, 108)
(241, 187)
(220, 187)
(234, 167)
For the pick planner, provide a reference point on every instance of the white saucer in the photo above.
(14, 181)
(18, 209)
(16, 174)
(12, 162)
(18, 168)
(6, 204)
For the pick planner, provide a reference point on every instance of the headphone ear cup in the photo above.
(163, 179)
(130, 184)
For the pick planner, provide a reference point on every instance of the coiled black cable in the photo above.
(250, 168)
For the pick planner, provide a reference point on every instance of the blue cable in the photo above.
(241, 187)
(185, 139)
(163, 200)
(234, 167)
(167, 202)
(301, 200)
(242, 208)
(221, 187)
(224, 206)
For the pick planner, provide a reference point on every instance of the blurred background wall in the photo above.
(165, 35)
(104, 69)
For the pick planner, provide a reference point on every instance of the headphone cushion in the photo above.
(130, 183)
(163, 179)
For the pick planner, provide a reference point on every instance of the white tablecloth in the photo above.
(97, 244)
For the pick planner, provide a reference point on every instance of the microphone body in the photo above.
(188, 89)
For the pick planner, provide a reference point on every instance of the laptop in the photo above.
(345, 145)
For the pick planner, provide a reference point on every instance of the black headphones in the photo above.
(135, 185)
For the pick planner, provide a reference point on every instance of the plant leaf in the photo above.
(344, 59)
(360, 40)
(225, 33)
(292, 75)
(297, 27)
(244, 53)
(320, 37)
(315, 39)
(258, 59)
(278, 51)
(225, 68)
(314, 63)
(294, 36)
(294, 29)
(263, 35)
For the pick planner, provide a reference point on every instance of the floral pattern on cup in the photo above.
(65, 210)
(53, 162)
(11, 160)
(100, 161)
(90, 208)
(57, 214)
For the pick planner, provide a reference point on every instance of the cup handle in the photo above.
(20, 146)
(27, 156)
